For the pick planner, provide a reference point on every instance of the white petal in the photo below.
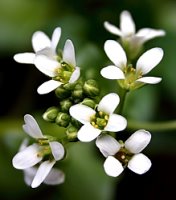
(31, 127)
(108, 145)
(55, 38)
(27, 158)
(113, 167)
(116, 123)
(139, 163)
(127, 25)
(24, 144)
(55, 177)
(48, 86)
(112, 72)
(75, 75)
(115, 53)
(148, 33)
(46, 65)
(57, 150)
(138, 141)
(40, 41)
(27, 58)
(109, 103)
(82, 113)
(42, 173)
(69, 53)
(149, 60)
(88, 133)
(29, 174)
(112, 29)
(149, 80)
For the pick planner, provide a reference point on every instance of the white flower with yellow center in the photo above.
(29, 156)
(128, 76)
(120, 155)
(128, 34)
(101, 119)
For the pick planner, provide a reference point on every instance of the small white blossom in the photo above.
(29, 156)
(129, 76)
(127, 32)
(94, 122)
(128, 154)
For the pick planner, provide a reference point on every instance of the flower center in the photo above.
(123, 155)
(64, 73)
(99, 120)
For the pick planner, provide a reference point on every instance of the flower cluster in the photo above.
(82, 111)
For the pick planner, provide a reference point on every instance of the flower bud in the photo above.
(90, 87)
(69, 86)
(71, 133)
(62, 119)
(62, 92)
(50, 114)
(65, 105)
(75, 123)
(77, 92)
(89, 102)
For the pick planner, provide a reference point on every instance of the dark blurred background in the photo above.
(82, 22)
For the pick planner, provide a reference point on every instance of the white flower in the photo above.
(130, 77)
(29, 156)
(94, 122)
(128, 33)
(118, 155)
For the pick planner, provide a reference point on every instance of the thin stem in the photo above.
(152, 126)
(122, 95)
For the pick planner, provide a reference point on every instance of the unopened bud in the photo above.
(91, 88)
(62, 119)
(71, 132)
(69, 86)
(62, 92)
(89, 102)
(50, 114)
(65, 105)
(77, 92)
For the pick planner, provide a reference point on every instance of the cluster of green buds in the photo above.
(69, 94)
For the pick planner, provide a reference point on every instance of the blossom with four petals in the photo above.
(128, 154)
(29, 156)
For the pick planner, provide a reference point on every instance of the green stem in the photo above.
(152, 126)
(122, 96)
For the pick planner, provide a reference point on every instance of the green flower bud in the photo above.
(62, 92)
(89, 102)
(90, 87)
(69, 86)
(77, 92)
(71, 133)
(50, 114)
(75, 123)
(65, 105)
(63, 119)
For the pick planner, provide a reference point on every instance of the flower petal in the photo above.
(29, 174)
(75, 75)
(82, 113)
(149, 80)
(148, 33)
(149, 60)
(57, 150)
(42, 173)
(116, 123)
(46, 65)
(113, 167)
(31, 127)
(27, 158)
(139, 163)
(88, 133)
(138, 141)
(109, 103)
(112, 72)
(112, 29)
(107, 145)
(55, 38)
(55, 177)
(40, 41)
(115, 53)
(69, 53)
(48, 86)
(27, 58)
(127, 25)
